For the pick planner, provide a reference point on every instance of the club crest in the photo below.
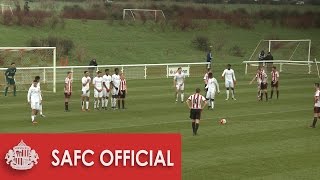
(22, 157)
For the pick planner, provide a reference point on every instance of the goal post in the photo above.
(291, 56)
(155, 12)
(27, 60)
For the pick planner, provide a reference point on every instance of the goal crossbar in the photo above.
(142, 10)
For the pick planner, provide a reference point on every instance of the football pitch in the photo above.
(261, 140)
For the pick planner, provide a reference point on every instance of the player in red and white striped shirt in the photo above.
(67, 90)
(122, 90)
(274, 81)
(205, 79)
(196, 102)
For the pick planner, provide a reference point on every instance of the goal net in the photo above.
(30, 62)
(143, 14)
(289, 56)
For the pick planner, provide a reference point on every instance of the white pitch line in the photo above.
(172, 122)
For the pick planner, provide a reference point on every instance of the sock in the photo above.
(40, 109)
(106, 103)
(102, 102)
(32, 118)
(232, 93)
(87, 104)
(266, 96)
(182, 96)
(277, 94)
(209, 103)
(66, 107)
(82, 104)
(212, 104)
(14, 90)
(118, 103)
(227, 94)
(122, 103)
(6, 91)
(197, 127)
(271, 93)
(98, 103)
(95, 104)
(193, 127)
(261, 96)
(113, 102)
(177, 96)
(315, 119)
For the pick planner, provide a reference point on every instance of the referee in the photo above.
(196, 102)
(10, 73)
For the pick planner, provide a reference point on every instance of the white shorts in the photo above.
(105, 93)
(210, 94)
(85, 93)
(180, 87)
(35, 105)
(229, 84)
(114, 92)
(97, 94)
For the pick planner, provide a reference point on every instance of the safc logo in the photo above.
(22, 157)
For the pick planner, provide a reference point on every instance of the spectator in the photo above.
(269, 57)
(26, 7)
(93, 69)
(262, 55)
(209, 58)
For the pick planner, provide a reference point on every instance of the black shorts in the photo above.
(263, 86)
(10, 81)
(316, 110)
(66, 95)
(205, 89)
(122, 94)
(274, 84)
(195, 114)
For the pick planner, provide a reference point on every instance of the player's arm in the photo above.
(277, 77)
(205, 79)
(189, 103)
(29, 95)
(234, 77)
(217, 85)
(174, 81)
(84, 83)
(222, 76)
(204, 102)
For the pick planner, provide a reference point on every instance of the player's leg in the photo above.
(266, 91)
(7, 87)
(106, 100)
(197, 125)
(123, 99)
(66, 102)
(177, 92)
(316, 111)
(95, 96)
(272, 89)
(87, 101)
(83, 101)
(104, 92)
(182, 93)
(119, 99)
(193, 121)
(14, 87)
(261, 91)
(113, 99)
(277, 89)
(212, 99)
(227, 89)
(40, 109)
(232, 90)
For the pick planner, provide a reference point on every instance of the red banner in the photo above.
(90, 156)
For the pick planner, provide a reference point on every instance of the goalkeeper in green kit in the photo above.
(10, 73)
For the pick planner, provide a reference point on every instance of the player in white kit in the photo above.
(213, 87)
(106, 89)
(37, 78)
(178, 84)
(115, 82)
(98, 86)
(85, 96)
(34, 99)
(230, 80)
(257, 77)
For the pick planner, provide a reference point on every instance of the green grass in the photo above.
(262, 140)
(130, 43)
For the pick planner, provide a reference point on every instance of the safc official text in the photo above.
(114, 158)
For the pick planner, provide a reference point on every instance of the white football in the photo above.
(223, 121)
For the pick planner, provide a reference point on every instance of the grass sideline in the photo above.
(262, 140)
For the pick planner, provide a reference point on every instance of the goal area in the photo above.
(289, 56)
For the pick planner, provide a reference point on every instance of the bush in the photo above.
(77, 12)
(201, 43)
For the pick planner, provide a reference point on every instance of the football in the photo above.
(223, 121)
